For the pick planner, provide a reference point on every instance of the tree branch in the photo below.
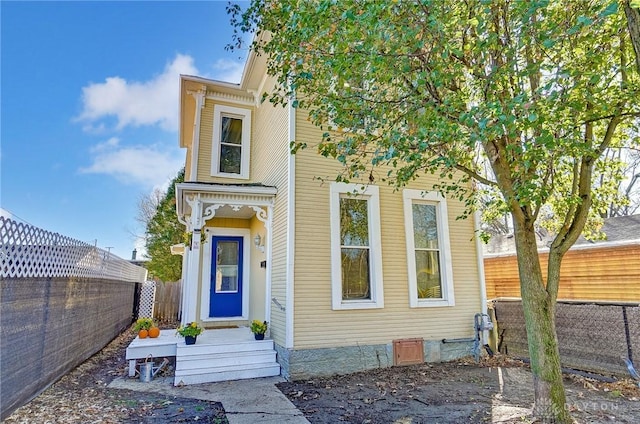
(614, 115)
(475, 175)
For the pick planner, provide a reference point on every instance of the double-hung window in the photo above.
(356, 256)
(428, 249)
(231, 142)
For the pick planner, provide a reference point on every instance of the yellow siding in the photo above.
(187, 164)
(313, 313)
(206, 143)
(269, 166)
(206, 140)
(598, 273)
(228, 223)
(258, 275)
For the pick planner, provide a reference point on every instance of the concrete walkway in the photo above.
(245, 401)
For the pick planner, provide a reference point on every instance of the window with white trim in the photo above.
(231, 142)
(356, 256)
(428, 249)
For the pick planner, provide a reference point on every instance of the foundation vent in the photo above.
(408, 351)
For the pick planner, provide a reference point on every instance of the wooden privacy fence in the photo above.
(62, 301)
(601, 273)
(591, 336)
(167, 301)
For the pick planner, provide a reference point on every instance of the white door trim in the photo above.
(206, 274)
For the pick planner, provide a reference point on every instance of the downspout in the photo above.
(480, 262)
(291, 221)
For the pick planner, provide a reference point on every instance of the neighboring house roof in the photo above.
(620, 229)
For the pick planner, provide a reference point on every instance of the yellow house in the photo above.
(340, 271)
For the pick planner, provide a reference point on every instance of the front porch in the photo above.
(218, 355)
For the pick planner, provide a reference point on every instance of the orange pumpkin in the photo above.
(143, 334)
(154, 332)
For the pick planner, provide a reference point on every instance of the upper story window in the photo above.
(428, 249)
(231, 142)
(356, 256)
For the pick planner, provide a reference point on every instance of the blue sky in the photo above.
(89, 102)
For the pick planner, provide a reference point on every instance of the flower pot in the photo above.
(259, 336)
(143, 334)
(154, 332)
(190, 340)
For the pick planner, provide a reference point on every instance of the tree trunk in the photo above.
(539, 316)
(633, 25)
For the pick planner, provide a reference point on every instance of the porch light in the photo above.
(257, 241)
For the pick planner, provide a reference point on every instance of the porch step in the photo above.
(225, 360)
(223, 347)
(214, 362)
(229, 373)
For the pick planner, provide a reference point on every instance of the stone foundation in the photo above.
(307, 363)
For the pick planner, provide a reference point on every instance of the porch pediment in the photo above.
(196, 203)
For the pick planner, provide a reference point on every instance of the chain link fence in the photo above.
(593, 336)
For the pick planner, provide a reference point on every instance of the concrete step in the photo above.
(239, 372)
(222, 360)
(229, 348)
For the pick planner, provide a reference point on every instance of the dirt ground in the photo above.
(499, 390)
(81, 396)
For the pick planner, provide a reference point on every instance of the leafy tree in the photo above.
(537, 89)
(163, 231)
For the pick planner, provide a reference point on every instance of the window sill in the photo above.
(436, 303)
(356, 304)
(231, 176)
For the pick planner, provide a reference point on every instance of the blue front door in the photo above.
(226, 277)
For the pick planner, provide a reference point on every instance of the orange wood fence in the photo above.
(610, 273)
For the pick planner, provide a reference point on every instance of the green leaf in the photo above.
(583, 20)
(611, 9)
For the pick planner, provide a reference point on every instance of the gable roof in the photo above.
(617, 230)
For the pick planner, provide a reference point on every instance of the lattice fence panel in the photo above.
(31, 252)
(147, 299)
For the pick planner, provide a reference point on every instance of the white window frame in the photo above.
(410, 197)
(234, 112)
(372, 195)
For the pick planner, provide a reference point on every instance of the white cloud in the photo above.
(145, 165)
(111, 143)
(228, 70)
(152, 102)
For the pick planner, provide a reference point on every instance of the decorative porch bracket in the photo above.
(203, 208)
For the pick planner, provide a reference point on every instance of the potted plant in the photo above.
(143, 325)
(258, 328)
(190, 332)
